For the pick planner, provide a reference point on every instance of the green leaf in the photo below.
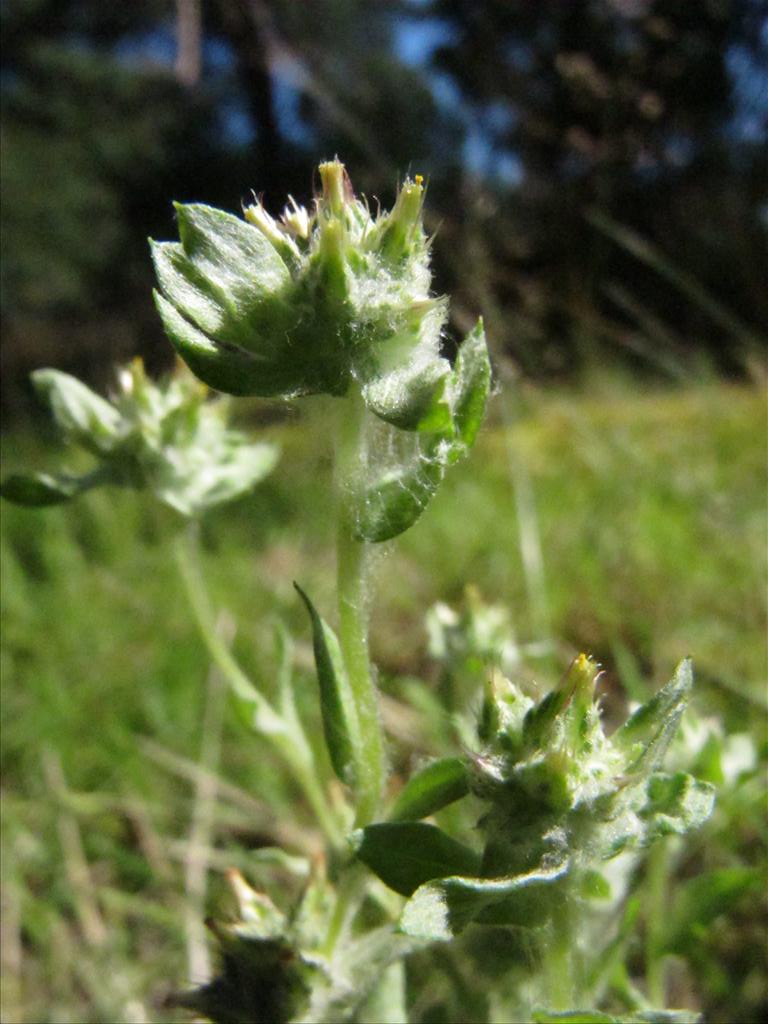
(700, 900)
(202, 301)
(82, 415)
(406, 854)
(223, 305)
(471, 387)
(434, 786)
(441, 909)
(675, 804)
(646, 735)
(227, 250)
(36, 490)
(226, 367)
(392, 505)
(336, 704)
(539, 720)
(412, 396)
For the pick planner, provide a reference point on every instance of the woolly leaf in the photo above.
(191, 487)
(226, 367)
(395, 502)
(232, 254)
(675, 804)
(82, 415)
(412, 396)
(183, 285)
(441, 909)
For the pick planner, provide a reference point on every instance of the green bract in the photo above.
(333, 301)
(166, 437)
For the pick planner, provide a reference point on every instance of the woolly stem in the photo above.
(352, 583)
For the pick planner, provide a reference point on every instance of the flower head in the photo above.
(166, 437)
(315, 301)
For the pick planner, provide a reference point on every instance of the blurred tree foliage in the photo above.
(597, 168)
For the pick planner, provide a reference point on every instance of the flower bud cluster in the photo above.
(560, 788)
(167, 437)
(316, 301)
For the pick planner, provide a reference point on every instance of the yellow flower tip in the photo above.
(419, 179)
(337, 188)
(583, 662)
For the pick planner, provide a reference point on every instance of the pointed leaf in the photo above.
(395, 503)
(406, 854)
(437, 784)
(81, 414)
(226, 367)
(472, 385)
(336, 704)
(442, 908)
(228, 250)
(36, 490)
(646, 735)
(539, 720)
(201, 300)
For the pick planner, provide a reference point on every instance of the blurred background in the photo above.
(597, 168)
(598, 188)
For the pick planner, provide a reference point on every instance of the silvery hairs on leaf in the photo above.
(169, 438)
(334, 300)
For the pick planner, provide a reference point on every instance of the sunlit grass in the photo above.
(648, 512)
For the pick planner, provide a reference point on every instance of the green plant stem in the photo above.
(353, 620)
(350, 890)
(558, 960)
(286, 735)
(657, 869)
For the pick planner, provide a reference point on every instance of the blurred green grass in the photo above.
(626, 523)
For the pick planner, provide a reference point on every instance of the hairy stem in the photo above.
(350, 891)
(353, 619)
(657, 869)
(559, 956)
(285, 734)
